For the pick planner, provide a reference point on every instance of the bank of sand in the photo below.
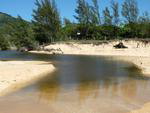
(139, 56)
(137, 53)
(17, 74)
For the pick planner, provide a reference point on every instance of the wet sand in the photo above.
(144, 109)
(17, 74)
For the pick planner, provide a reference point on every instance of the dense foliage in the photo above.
(109, 26)
(5, 18)
(4, 37)
(21, 33)
(4, 45)
(46, 21)
(115, 22)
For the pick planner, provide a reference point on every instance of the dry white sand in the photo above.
(16, 74)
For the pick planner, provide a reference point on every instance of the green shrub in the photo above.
(4, 45)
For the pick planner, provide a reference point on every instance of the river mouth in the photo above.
(81, 84)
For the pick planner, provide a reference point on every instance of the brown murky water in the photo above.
(82, 84)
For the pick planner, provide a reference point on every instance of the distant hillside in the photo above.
(5, 18)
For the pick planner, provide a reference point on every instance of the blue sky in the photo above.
(66, 7)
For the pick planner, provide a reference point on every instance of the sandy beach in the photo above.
(144, 109)
(137, 53)
(22, 72)
(17, 74)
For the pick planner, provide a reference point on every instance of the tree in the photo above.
(115, 9)
(130, 11)
(96, 12)
(83, 12)
(80, 11)
(144, 25)
(144, 18)
(67, 29)
(4, 44)
(21, 33)
(87, 14)
(107, 17)
(46, 21)
(83, 16)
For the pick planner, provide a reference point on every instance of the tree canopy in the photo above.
(46, 21)
(116, 21)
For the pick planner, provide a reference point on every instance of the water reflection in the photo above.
(49, 89)
(84, 84)
(91, 77)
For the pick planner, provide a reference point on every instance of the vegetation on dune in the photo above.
(46, 26)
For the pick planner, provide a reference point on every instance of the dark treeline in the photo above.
(117, 21)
